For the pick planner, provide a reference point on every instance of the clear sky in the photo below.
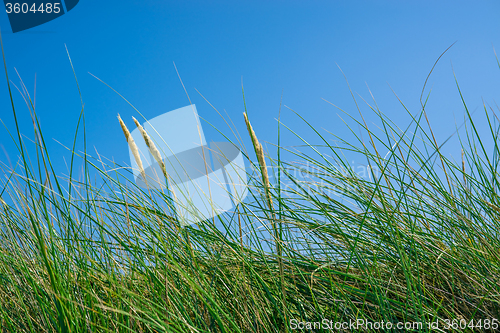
(292, 47)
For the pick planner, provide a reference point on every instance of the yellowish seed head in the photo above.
(133, 147)
(259, 151)
(152, 148)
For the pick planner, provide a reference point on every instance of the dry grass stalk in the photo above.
(133, 147)
(152, 148)
(259, 151)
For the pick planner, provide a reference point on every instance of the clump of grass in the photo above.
(259, 152)
(403, 245)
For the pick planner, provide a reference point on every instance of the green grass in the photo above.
(415, 241)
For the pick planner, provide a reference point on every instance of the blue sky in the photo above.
(292, 47)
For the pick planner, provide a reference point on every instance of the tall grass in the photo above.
(415, 241)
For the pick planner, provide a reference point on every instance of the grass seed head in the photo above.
(259, 151)
(133, 147)
(152, 148)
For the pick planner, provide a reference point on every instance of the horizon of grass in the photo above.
(417, 241)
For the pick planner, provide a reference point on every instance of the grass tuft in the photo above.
(406, 241)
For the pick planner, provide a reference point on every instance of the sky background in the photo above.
(273, 47)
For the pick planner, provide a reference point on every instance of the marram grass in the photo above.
(152, 148)
(399, 246)
(133, 147)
